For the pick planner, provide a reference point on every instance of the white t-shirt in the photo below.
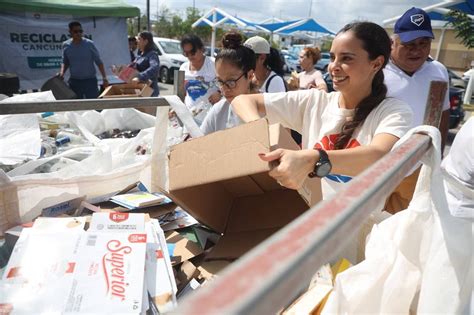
(312, 77)
(220, 117)
(414, 89)
(199, 85)
(276, 84)
(317, 116)
(459, 166)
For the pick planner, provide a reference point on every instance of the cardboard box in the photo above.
(127, 90)
(220, 180)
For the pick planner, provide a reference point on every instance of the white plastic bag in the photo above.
(20, 134)
(112, 165)
(418, 260)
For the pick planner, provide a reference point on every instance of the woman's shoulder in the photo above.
(393, 103)
(390, 106)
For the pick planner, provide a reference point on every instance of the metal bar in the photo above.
(434, 103)
(268, 277)
(178, 84)
(83, 104)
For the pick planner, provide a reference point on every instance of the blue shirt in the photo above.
(80, 58)
(148, 66)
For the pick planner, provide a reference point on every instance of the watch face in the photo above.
(323, 169)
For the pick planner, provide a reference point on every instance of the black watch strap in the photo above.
(323, 159)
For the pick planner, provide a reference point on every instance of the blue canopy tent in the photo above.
(217, 17)
(272, 27)
(290, 27)
(305, 25)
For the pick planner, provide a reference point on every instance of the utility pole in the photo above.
(148, 15)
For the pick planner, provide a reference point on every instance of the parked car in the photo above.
(456, 110)
(322, 64)
(291, 63)
(455, 80)
(171, 57)
(207, 51)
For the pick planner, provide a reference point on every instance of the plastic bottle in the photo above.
(60, 141)
(48, 148)
(73, 138)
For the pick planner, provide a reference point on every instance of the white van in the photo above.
(171, 57)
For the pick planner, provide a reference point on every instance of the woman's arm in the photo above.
(294, 166)
(249, 107)
(355, 160)
(318, 82)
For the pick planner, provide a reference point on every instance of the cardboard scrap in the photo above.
(183, 248)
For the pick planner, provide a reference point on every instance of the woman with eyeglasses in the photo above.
(199, 75)
(147, 62)
(235, 66)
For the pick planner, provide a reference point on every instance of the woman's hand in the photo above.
(215, 97)
(293, 166)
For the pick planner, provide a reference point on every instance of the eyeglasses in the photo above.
(189, 53)
(77, 31)
(229, 83)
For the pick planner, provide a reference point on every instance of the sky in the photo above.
(332, 14)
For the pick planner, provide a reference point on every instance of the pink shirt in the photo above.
(313, 77)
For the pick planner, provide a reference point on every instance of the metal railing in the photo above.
(84, 104)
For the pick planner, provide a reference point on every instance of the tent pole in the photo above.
(440, 43)
(148, 25)
(213, 39)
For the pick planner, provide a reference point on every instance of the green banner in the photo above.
(44, 62)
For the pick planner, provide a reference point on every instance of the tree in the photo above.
(463, 26)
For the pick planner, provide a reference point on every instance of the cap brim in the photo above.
(410, 36)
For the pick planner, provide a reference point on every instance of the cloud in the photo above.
(332, 14)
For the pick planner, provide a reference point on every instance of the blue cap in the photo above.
(413, 24)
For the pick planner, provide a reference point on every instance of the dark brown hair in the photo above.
(313, 53)
(376, 42)
(235, 53)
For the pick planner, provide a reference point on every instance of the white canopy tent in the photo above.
(216, 18)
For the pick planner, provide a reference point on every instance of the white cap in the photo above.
(258, 44)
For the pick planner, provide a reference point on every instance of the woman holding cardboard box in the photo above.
(345, 131)
(147, 63)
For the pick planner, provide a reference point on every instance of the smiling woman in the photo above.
(344, 132)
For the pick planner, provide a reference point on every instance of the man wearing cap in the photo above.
(408, 75)
(268, 67)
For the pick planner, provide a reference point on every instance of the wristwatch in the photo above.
(322, 167)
